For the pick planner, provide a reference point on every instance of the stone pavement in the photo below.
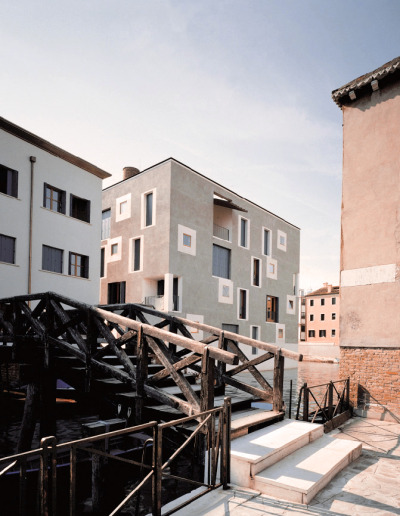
(368, 486)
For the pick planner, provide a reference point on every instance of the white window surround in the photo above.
(223, 285)
(184, 230)
(258, 331)
(291, 300)
(127, 210)
(132, 254)
(272, 264)
(247, 246)
(280, 329)
(259, 272)
(247, 304)
(143, 208)
(264, 229)
(113, 257)
(281, 240)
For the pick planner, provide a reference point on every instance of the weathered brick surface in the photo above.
(374, 377)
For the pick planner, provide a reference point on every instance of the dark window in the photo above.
(105, 224)
(80, 208)
(333, 333)
(149, 209)
(311, 333)
(7, 249)
(272, 309)
(322, 333)
(311, 302)
(334, 300)
(233, 328)
(242, 304)
(333, 317)
(267, 236)
(243, 232)
(78, 265)
(136, 254)
(322, 317)
(114, 249)
(256, 272)
(116, 293)
(8, 181)
(221, 262)
(102, 253)
(54, 199)
(52, 259)
(322, 302)
(254, 335)
(175, 297)
(311, 317)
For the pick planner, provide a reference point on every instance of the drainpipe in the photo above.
(32, 159)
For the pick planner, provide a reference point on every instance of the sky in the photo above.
(239, 90)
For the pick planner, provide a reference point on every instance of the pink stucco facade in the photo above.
(322, 309)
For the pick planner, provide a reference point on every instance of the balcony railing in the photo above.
(221, 232)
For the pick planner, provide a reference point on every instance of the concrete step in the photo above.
(258, 450)
(301, 475)
(251, 420)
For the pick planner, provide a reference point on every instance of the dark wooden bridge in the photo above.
(129, 355)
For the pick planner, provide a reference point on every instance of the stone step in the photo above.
(301, 475)
(258, 450)
(251, 420)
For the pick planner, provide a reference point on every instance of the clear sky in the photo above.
(238, 90)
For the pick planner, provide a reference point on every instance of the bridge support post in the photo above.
(29, 418)
(278, 381)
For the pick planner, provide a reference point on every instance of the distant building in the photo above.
(370, 257)
(180, 242)
(320, 313)
(50, 218)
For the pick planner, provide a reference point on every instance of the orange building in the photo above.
(322, 309)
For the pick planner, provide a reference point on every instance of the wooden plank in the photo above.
(255, 372)
(255, 361)
(207, 383)
(170, 400)
(279, 364)
(337, 421)
(34, 322)
(178, 366)
(267, 396)
(64, 318)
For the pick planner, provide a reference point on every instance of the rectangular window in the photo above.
(311, 334)
(136, 254)
(105, 224)
(271, 268)
(267, 242)
(123, 207)
(280, 333)
(8, 181)
(311, 317)
(322, 317)
(52, 259)
(333, 317)
(149, 209)
(116, 293)
(78, 265)
(102, 268)
(272, 309)
(187, 240)
(333, 333)
(225, 291)
(242, 304)
(311, 302)
(7, 249)
(243, 232)
(322, 302)
(114, 249)
(290, 304)
(256, 272)
(54, 199)
(79, 208)
(322, 333)
(255, 334)
(334, 300)
(221, 262)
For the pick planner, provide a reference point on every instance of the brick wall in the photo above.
(374, 378)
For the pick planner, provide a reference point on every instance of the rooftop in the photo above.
(360, 86)
(326, 289)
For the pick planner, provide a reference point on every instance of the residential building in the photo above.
(50, 218)
(180, 242)
(321, 315)
(370, 247)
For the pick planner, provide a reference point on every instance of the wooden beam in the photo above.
(178, 366)
(259, 360)
(255, 372)
(265, 395)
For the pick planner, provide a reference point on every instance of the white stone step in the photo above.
(301, 475)
(254, 452)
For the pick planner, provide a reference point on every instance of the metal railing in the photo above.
(213, 425)
(221, 232)
(325, 403)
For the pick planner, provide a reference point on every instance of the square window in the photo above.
(225, 290)
(8, 181)
(311, 334)
(114, 249)
(52, 259)
(187, 240)
(79, 208)
(271, 268)
(322, 333)
(78, 265)
(54, 199)
(7, 249)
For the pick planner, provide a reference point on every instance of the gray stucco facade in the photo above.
(201, 253)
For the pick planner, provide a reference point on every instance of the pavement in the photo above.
(368, 486)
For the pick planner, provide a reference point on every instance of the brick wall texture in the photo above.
(374, 377)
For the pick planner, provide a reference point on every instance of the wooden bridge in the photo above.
(128, 354)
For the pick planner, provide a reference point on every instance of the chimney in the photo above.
(128, 172)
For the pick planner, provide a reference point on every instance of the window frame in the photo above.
(61, 204)
(216, 273)
(244, 233)
(106, 224)
(83, 268)
(75, 208)
(273, 310)
(51, 249)
(9, 180)
(266, 242)
(120, 287)
(13, 241)
(243, 304)
(144, 219)
(256, 270)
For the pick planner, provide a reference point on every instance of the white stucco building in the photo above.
(50, 223)
(177, 240)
